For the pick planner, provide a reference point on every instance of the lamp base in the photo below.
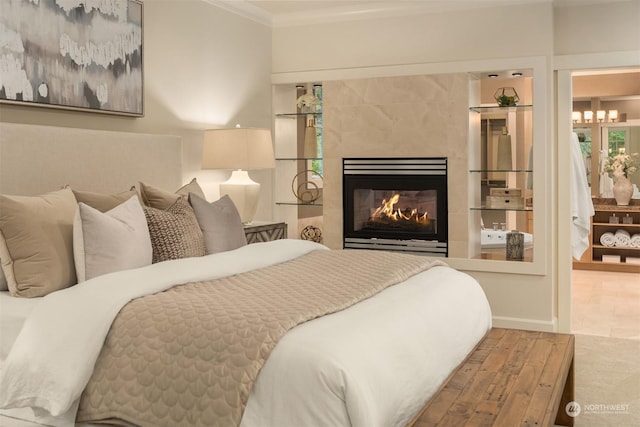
(244, 193)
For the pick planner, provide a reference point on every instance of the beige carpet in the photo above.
(607, 381)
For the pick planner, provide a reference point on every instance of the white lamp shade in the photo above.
(237, 148)
(576, 116)
(588, 115)
(613, 114)
(600, 114)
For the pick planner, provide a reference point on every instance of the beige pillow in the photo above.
(104, 202)
(3, 280)
(174, 232)
(113, 241)
(36, 247)
(220, 223)
(161, 199)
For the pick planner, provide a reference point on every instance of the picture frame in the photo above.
(75, 55)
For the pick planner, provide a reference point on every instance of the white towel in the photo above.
(635, 241)
(608, 239)
(581, 204)
(623, 238)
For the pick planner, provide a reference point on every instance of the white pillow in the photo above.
(112, 241)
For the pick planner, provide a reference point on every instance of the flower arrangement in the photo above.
(307, 101)
(622, 165)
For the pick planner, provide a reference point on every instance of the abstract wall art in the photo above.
(74, 54)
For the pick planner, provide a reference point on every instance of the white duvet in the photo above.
(374, 364)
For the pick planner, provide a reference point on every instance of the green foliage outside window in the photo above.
(616, 141)
(316, 165)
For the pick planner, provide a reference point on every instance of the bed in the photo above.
(282, 333)
(352, 367)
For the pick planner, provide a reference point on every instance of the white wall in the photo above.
(601, 27)
(203, 68)
(450, 42)
(482, 33)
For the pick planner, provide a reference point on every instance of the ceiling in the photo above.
(300, 12)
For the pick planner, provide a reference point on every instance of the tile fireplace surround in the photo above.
(408, 116)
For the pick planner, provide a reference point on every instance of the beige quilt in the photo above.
(189, 356)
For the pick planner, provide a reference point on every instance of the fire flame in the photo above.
(388, 210)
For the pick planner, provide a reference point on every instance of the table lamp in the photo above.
(239, 149)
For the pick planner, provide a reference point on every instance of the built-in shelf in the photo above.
(614, 248)
(614, 225)
(296, 115)
(497, 109)
(501, 255)
(299, 203)
(484, 208)
(298, 158)
(501, 170)
(594, 257)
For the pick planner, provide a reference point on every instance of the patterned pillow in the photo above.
(174, 232)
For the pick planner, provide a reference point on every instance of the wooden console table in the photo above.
(512, 378)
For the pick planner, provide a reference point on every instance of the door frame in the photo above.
(564, 67)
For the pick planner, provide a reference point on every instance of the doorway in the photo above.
(605, 282)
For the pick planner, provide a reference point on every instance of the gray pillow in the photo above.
(220, 223)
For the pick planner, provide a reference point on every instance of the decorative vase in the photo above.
(310, 150)
(622, 191)
(505, 162)
(515, 245)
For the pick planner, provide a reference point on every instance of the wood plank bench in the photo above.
(512, 378)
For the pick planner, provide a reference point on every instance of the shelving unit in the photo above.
(488, 176)
(593, 257)
(289, 126)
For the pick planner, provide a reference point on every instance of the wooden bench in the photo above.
(512, 378)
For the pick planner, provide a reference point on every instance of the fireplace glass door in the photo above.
(398, 204)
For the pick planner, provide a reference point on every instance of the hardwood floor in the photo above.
(606, 304)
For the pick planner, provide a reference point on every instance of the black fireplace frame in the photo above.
(397, 173)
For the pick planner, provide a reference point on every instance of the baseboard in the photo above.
(526, 324)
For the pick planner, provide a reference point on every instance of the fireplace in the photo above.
(397, 204)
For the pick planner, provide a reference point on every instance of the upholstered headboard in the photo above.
(37, 159)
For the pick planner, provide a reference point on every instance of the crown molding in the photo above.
(388, 9)
(368, 9)
(361, 11)
(244, 9)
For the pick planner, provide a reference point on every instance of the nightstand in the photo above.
(264, 231)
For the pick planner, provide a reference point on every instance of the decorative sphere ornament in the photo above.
(304, 188)
(312, 233)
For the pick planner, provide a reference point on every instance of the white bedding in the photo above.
(13, 314)
(316, 375)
